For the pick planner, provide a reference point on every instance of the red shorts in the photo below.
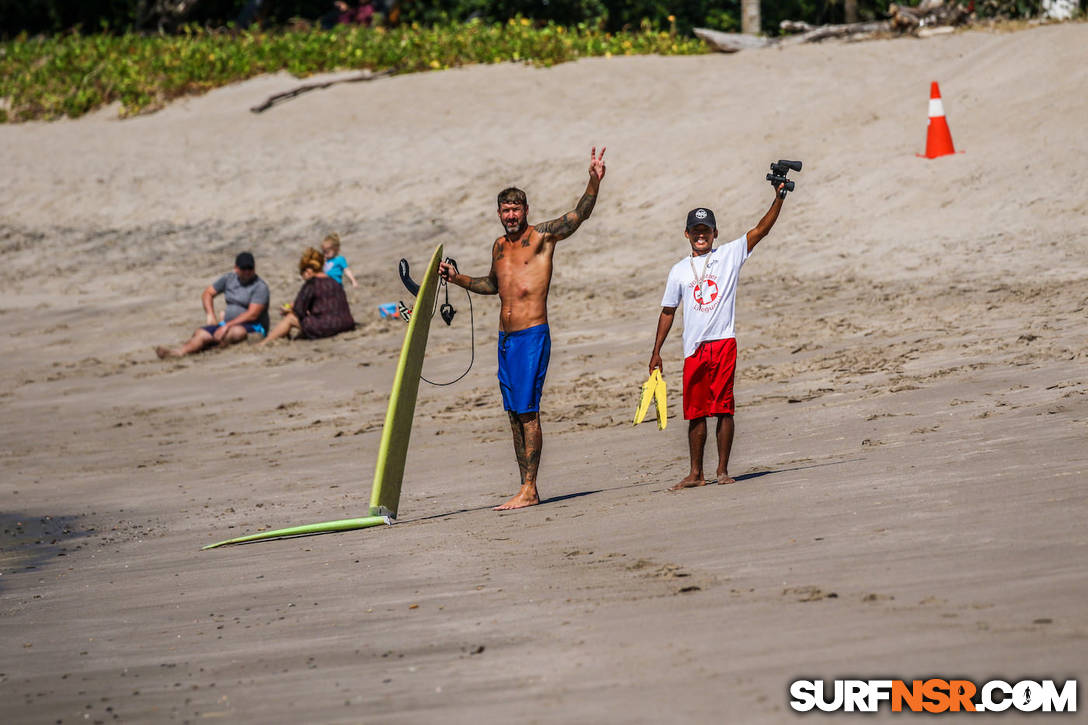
(708, 379)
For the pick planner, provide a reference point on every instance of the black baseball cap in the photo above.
(244, 261)
(701, 216)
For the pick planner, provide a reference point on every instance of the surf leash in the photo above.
(446, 312)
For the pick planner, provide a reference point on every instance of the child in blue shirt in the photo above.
(335, 264)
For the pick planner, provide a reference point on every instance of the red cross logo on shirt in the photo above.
(706, 292)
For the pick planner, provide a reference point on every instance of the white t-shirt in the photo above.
(708, 307)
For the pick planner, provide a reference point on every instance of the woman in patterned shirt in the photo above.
(320, 309)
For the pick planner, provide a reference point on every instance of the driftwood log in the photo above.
(931, 17)
(815, 33)
(731, 42)
(365, 75)
(928, 14)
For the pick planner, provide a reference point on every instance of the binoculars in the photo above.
(778, 175)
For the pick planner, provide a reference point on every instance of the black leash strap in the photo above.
(472, 333)
(446, 312)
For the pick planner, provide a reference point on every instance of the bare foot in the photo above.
(527, 496)
(692, 481)
(724, 479)
(164, 352)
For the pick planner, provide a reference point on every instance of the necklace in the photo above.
(699, 278)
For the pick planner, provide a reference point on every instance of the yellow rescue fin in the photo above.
(652, 390)
(659, 396)
(645, 397)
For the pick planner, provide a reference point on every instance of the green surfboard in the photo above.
(393, 451)
(389, 472)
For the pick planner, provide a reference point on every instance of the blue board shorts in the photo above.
(523, 365)
(250, 327)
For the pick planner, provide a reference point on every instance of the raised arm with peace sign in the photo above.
(564, 226)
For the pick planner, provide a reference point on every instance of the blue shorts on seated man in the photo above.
(250, 327)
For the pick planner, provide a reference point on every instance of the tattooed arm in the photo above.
(482, 285)
(488, 285)
(566, 225)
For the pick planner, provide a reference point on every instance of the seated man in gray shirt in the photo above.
(247, 310)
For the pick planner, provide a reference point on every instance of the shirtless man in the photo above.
(521, 273)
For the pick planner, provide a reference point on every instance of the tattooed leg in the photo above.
(519, 443)
(533, 442)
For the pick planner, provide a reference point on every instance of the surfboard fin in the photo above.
(406, 277)
(653, 390)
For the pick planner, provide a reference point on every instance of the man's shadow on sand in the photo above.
(568, 496)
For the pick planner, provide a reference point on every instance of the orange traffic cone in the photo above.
(938, 137)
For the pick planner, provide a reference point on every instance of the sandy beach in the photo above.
(912, 395)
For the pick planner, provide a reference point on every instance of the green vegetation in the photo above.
(69, 75)
(53, 16)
